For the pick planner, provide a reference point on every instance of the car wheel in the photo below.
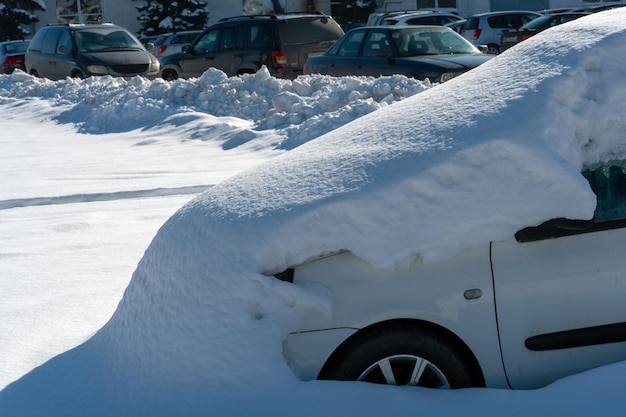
(77, 74)
(401, 354)
(170, 75)
(34, 73)
(493, 49)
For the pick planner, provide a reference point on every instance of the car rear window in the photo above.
(303, 31)
(472, 23)
(505, 21)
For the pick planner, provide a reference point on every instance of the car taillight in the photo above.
(279, 58)
(13, 61)
(162, 49)
(477, 33)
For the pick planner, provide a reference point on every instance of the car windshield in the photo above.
(105, 39)
(431, 41)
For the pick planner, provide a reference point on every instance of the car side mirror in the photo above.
(150, 47)
(484, 49)
(186, 49)
(65, 50)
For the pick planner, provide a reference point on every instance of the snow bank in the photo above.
(287, 113)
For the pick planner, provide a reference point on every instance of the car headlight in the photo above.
(154, 66)
(97, 69)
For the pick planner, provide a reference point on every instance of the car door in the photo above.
(47, 59)
(230, 49)
(561, 292)
(201, 55)
(64, 61)
(377, 55)
(343, 60)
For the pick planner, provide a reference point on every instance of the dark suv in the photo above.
(79, 51)
(243, 44)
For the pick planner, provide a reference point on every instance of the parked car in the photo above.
(173, 42)
(84, 50)
(12, 55)
(434, 52)
(487, 28)
(513, 37)
(243, 44)
(422, 18)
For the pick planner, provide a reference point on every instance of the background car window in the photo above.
(609, 185)
(231, 39)
(505, 21)
(351, 45)
(377, 45)
(65, 43)
(260, 36)
(302, 31)
(50, 41)
(472, 23)
(206, 43)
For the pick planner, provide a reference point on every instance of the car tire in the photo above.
(493, 49)
(169, 75)
(78, 75)
(400, 354)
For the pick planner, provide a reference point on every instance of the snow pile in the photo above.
(288, 112)
(200, 327)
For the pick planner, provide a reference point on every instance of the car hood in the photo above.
(125, 57)
(453, 62)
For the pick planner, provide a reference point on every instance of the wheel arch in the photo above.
(418, 325)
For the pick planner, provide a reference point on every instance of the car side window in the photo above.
(377, 45)
(350, 47)
(50, 41)
(260, 36)
(231, 39)
(65, 45)
(609, 185)
(206, 43)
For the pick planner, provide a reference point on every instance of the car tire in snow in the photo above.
(401, 354)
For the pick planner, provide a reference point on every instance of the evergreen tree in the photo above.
(15, 15)
(352, 11)
(162, 16)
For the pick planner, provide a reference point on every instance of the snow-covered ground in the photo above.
(93, 170)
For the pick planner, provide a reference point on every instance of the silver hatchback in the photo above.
(486, 28)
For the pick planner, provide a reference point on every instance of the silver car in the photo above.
(486, 28)
(519, 314)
